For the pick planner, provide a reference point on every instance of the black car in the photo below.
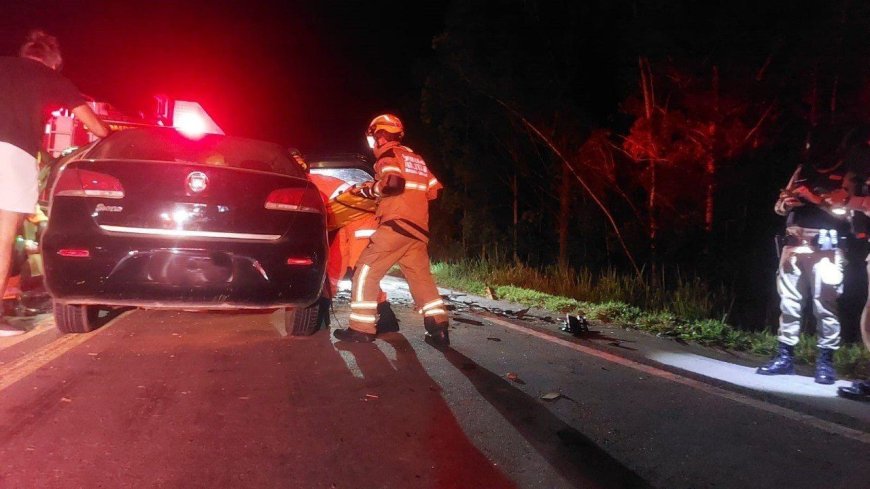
(152, 218)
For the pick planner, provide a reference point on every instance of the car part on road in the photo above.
(576, 325)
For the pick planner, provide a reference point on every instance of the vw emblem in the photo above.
(197, 181)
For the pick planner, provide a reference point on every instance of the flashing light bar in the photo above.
(190, 119)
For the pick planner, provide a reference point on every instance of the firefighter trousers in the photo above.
(808, 274)
(387, 248)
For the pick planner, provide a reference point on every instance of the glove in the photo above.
(364, 190)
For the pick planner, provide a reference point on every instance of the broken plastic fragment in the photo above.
(514, 378)
(551, 396)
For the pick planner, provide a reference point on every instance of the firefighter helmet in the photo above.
(386, 122)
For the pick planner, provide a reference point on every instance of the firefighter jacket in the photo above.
(329, 187)
(408, 210)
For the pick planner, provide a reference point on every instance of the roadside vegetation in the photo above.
(687, 308)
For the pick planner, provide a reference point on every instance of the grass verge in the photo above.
(685, 321)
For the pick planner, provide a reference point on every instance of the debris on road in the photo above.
(521, 313)
(514, 378)
(551, 396)
(473, 307)
(576, 325)
(460, 319)
(493, 338)
(369, 397)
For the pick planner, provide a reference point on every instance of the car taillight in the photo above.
(300, 199)
(84, 183)
(74, 252)
(300, 260)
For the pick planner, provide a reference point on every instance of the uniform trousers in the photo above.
(388, 247)
(809, 274)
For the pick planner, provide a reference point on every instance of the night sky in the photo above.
(306, 73)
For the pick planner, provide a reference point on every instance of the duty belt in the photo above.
(798, 236)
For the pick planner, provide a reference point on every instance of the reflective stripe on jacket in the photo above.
(421, 186)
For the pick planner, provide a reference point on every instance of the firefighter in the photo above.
(29, 85)
(811, 264)
(403, 186)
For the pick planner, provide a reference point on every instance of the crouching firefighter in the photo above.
(403, 187)
(811, 265)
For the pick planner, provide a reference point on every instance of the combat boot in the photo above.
(436, 333)
(353, 336)
(782, 363)
(825, 373)
(387, 320)
(858, 391)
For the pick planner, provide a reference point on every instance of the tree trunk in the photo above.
(710, 169)
(516, 209)
(651, 209)
(564, 215)
(710, 166)
(649, 103)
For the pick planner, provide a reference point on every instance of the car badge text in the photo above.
(108, 208)
(197, 181)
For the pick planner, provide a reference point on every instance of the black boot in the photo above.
(825, 372)
(436, 333)
(858, 391)
(782, 363)
(353, 336)
(324, 306)
(387, 320)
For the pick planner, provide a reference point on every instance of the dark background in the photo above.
(305, 73)
(492, 90)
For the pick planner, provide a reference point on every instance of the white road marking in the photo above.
(14, 371)
(41, 327)
(24, 366)
(821, 424)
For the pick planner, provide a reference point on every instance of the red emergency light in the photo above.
(190, 119)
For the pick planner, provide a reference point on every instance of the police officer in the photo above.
(403, 186)
(29, 85)
(811, 265)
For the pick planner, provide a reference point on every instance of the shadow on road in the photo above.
(413, 419)
(571, 453)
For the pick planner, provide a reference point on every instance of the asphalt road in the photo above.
(166, 399)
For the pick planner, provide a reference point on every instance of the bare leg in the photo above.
(8, 230)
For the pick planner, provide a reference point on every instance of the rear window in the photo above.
(352, 176)
(157, 144)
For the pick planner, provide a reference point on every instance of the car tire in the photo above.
(75, 318)
(303, 321)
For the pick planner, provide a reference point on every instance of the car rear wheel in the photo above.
(304, 321)
(75, 318)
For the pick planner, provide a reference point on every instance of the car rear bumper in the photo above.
(150, 272)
